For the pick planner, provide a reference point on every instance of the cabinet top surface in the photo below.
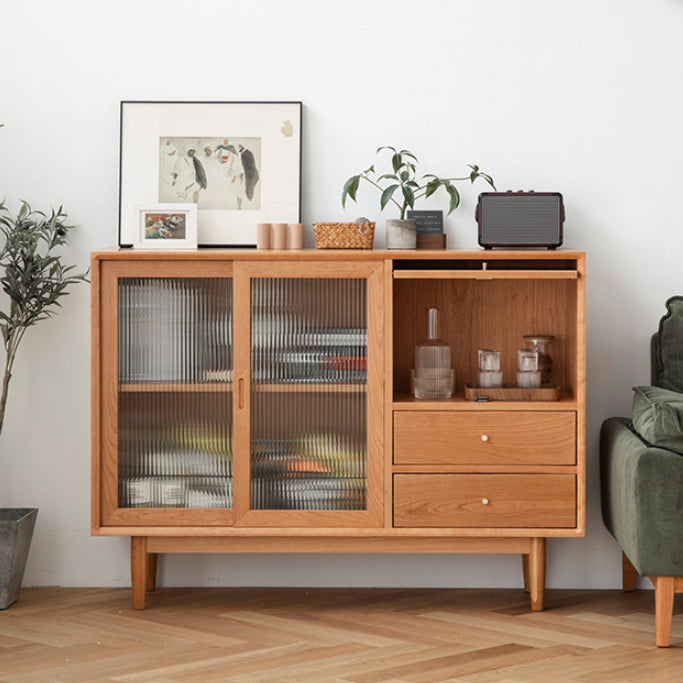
(211, 254)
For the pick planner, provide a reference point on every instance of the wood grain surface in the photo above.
(297, 635)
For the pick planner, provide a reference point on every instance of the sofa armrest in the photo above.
(642, 499)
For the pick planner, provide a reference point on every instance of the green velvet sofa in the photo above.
(641, 468)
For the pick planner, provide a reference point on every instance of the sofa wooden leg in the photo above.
(664, 607)
(628, 574)
(537, 573)
(525, 570)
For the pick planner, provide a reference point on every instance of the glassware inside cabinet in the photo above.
(541, 344)
(433, 363)
(176, 330)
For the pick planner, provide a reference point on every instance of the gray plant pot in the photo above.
(401, 233)
(16, 531)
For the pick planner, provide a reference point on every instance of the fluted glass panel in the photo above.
(175, 450)
(175, 392)
(308, 403)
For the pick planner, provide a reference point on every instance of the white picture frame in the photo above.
(239, 162)
(166, 226)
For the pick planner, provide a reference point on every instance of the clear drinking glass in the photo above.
(432, 363)
(528, 374)
(489, 374)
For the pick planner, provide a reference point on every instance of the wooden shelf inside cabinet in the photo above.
(511, 392)
(406, 401)
(310, 388)
(485, 274)
(174, 387)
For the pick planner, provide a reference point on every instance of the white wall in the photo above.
(577, 96)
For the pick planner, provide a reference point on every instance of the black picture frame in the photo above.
(249, 169)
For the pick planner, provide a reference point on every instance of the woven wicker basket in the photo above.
(344, 235)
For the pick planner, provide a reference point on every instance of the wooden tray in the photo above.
(510, 392)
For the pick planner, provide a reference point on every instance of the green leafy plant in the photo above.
(32, 275)
(402, 188)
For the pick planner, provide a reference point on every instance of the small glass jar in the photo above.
(541, 344)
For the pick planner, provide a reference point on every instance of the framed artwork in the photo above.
(166, 226)
(239, 163)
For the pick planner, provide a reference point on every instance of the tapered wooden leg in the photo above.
(628, 574)
(664, 607)
(151, 571)
(525, 569)
(537, 573)
(138, 570)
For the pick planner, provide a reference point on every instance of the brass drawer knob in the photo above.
(484, 437)
(485, 501)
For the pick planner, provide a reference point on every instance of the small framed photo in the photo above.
(238, 162)
(166, 226)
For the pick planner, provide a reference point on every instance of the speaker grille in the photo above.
(521, 220)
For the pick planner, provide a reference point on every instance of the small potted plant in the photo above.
(402, 188)
(34, 280)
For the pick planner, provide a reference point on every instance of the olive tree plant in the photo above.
(32, 276)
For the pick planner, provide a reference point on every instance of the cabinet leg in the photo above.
(152, 571)
(138, 570)
(537, 573)
(628, 574)
(664, 607)
(525, 569)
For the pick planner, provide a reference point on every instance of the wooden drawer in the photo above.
(485, 500)
(486, 438)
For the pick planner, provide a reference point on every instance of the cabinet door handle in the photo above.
(240, 393)
(485, 501)
(484, 437)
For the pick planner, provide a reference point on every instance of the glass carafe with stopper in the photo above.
(432, 363)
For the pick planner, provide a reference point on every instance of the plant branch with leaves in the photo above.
(402, 188)
(32, 275)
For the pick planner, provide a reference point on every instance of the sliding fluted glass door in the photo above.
(171, 384)
(311, 378)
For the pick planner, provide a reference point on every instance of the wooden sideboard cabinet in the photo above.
(260, 401)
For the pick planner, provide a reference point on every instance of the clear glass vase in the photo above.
(432, 363)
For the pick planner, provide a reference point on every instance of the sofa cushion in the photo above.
(668, 347)
(658, 417)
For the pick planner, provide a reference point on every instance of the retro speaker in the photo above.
(520, 219)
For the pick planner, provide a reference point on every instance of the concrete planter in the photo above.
(401, 233)
(16, 531)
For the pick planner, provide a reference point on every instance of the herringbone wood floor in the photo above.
(324, 635)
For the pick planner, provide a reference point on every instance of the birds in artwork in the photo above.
(251, 174)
